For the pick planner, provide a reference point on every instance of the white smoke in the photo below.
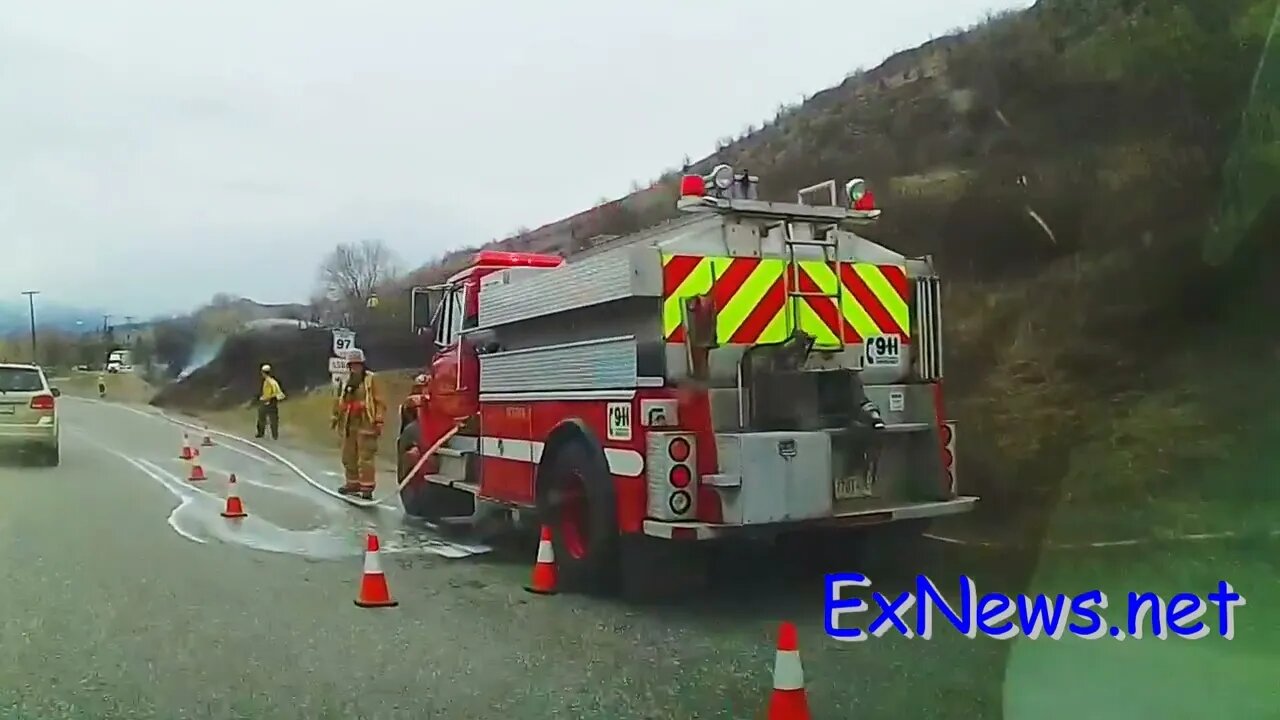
(202, 354)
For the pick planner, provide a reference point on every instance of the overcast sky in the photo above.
(155, 152)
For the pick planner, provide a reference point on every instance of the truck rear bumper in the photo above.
(871, 516)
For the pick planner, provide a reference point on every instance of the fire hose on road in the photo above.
(310, 480)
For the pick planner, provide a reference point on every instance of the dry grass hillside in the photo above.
(1074, 168)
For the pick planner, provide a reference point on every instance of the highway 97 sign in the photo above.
(343, 340)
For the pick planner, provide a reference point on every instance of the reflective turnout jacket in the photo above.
(359, 401)
(270, 390)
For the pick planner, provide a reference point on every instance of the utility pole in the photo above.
(105, 318)
(31, 309)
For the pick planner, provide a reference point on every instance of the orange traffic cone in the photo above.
(234, 508)
(788, 701)
(197, 472)
(373, 584)
(543, 581)
(188, 453)
(207, 441)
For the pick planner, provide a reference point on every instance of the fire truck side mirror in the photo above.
(424, 304)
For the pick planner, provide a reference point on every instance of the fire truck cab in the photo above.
(748, 369)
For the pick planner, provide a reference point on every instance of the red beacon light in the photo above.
(861, 198)
(693, 186)
(695, 190)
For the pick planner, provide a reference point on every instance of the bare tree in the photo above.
(352, 272)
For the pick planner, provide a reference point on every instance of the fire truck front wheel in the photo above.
(576, 499)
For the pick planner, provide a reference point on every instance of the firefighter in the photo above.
(417, 396)
(268, 402)
(358, 414)
(102, 385)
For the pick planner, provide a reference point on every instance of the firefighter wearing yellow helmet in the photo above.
(358, 414)
(268, 402)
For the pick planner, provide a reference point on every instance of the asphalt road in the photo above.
(126, 595)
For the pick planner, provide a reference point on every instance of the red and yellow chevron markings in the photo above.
(750, 296)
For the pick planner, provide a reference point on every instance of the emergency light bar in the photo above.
(723, 188)
(722, 183)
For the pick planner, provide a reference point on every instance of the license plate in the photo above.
(7, 409)
(852, 487)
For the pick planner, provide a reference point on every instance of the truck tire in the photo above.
(423, 499)
(577, 500)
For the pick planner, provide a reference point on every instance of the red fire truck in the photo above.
(751, 368)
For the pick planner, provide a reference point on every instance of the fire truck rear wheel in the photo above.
(423, 499)
(576, 498)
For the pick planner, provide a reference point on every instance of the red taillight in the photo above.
(679, 450)
(42, 402)
(692, 185)
(680, 476)
(947, 459)
(866, 202)
(945, 431)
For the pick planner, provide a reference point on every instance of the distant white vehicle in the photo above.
(119, 360)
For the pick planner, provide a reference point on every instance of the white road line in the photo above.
(250, 480)
(164, 417)
(246, 453)
(184, 499)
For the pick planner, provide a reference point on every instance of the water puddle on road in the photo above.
(284, 516)
(307, 523)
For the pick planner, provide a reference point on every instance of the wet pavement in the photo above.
(127, 595)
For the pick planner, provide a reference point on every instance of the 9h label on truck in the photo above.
(753, 367)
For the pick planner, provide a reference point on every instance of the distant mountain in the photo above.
(244, 310)
(254, 310)
(50, 315)
(14, 317)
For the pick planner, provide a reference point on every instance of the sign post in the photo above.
(343, 341)
(338, 370)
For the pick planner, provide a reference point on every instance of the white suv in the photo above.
(28, 411)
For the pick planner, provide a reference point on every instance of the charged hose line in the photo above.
(359, 502)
